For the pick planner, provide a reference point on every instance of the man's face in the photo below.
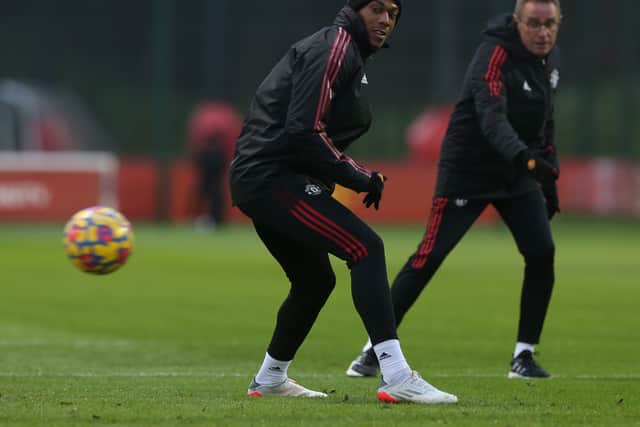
(380, 17)
(538, 25)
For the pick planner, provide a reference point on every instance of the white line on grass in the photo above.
(160, 374)
(122, 374)
(80, 343)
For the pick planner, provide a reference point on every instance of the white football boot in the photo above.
(413, 389)
(287, 388)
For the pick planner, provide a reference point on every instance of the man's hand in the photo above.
(532, 163)
(374, 190)
(551, 198)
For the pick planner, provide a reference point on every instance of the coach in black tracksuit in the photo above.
(287, 160)
(498, 149)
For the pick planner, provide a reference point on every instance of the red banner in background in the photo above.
(407, 195)
(52, 188)
(600, 187)
(46, 195)
(36, 186)
(138, 188)
(586, 186)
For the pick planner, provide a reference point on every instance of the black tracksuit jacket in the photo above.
(306, 112)
(506, 105)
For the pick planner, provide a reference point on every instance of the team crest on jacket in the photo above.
(312, 190)
(554, 78)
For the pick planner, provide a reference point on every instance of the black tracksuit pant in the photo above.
(526, 218)
(301, 224)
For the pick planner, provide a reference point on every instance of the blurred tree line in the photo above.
(142, 65)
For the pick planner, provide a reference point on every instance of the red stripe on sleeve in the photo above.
(329, 144)
(336, 57)
(342, 157)
(325, 78)
(336, 69)
(494, 70)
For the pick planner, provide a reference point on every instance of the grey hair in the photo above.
(520, 4)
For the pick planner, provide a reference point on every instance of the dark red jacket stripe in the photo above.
(336, 57)
(492, 76)
(342, 156)
(329, 144)
(498, 82)
(325, 80)
(339, 230)
(492, 71)
(342, 51)
(435, 219)
(357, 167)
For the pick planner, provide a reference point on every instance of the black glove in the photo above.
(533, 164)
(374, 190)
(551, 199)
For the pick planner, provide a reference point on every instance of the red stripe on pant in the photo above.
(323, 225)
(435, 219)
(348, 236)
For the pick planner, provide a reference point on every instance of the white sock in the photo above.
(367, 346)
(272, 371)
(522, 346)
(393, 365)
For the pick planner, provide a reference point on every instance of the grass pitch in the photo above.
(175, 336)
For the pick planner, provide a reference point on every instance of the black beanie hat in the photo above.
(358, 4)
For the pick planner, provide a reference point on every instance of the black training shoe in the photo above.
(365, 365)
(523, 366)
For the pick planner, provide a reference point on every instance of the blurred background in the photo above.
(108, 102)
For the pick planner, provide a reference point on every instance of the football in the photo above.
(98, 240)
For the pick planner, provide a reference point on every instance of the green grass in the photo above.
(175, 336)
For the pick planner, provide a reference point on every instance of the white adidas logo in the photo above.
(364, 80)
(526, 86)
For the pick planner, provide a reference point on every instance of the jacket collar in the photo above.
(351, 21)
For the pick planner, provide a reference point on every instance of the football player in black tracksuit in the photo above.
(287, 160)
(498, 149)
